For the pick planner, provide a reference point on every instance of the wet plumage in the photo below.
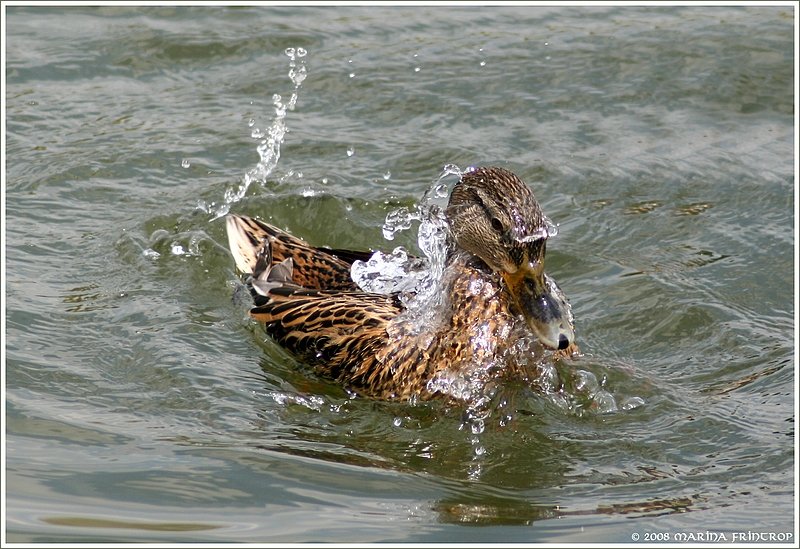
(494, 290)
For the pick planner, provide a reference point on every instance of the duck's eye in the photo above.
(497, 225)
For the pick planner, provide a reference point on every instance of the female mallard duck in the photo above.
(496, 293)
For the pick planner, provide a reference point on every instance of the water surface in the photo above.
(143, 405)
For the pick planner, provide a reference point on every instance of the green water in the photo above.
(143, 405)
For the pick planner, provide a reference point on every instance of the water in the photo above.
(143, 405)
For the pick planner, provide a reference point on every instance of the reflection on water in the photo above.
(132, 525)
(142, 404)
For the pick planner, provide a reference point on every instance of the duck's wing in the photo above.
(341, 333)
(308, 303)
(314, 268)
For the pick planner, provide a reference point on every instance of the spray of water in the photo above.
(416, 279)
(418, 282)
(270, 139)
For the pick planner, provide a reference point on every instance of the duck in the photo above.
(494, 295)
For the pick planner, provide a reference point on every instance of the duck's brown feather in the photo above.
(314, 267)
(341, 333)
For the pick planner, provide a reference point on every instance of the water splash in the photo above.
(184, 243)
(548, 231)
(270, 139)
(389, 273)
(416, 279)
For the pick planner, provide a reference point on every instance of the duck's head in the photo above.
(492, 214)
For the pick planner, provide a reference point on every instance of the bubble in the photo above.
(351, 151)
(387, 176)
(185, 163)
(177, 249)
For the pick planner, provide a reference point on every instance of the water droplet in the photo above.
(397, 422)
(352, 75)
(301, 52)
(387, 175)
(251, 122)
(585, 381)
(604, 402)
(483, 63)
(150, 253)
(324, 180)
(351, 151)
(551, 228)
(396, 221)
(416, 69)
(289, 52)
(177, 249)
(185, 163)
(632, 402)
(297, 76)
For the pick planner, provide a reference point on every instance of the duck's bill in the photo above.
(543, 305)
